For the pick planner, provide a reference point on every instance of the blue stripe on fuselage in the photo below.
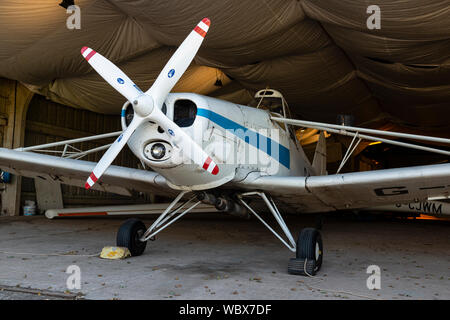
(263, 143)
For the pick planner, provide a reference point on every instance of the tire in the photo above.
(299, 267)
(128, 236)
(310, 246)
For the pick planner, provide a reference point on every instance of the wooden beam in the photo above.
(17, 103)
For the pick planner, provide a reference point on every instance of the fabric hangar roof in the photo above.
(319, 54)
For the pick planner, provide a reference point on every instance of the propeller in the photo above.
(147, 106)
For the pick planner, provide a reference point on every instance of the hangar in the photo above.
(321, 55)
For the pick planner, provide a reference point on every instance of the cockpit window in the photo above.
(184, 113)
(129, 114)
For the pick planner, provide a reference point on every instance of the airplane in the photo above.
(241, 159)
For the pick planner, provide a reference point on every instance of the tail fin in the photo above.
(320, 156)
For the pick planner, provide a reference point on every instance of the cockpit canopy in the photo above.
(271, 100)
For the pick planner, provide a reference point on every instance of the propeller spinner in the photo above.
(147, 106)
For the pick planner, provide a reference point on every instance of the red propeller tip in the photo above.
(215, 170)
(87, 186)
(207, 21)
(83, 49)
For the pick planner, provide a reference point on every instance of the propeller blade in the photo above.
(183, 141)
(112, 74)
(169, 76)
(112, 152)
(178, 63)
(155, 96)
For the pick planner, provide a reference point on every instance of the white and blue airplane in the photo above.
(206, 150)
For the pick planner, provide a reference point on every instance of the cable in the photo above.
(343, 292)
(304, 269)
(51, 254)
(329, 290)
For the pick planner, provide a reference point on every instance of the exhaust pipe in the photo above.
(225, 204)
(207, 198)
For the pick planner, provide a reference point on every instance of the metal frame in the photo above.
(168, 216)
(171, 215)
(77, 153)
(274, 210)
(349, 152)
(284, 104)
(355, 131)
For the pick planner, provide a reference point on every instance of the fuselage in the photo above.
(240, 139)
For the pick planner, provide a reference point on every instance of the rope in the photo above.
(51, 254)
(334, 291)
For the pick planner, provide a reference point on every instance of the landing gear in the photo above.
(133, 235)
(309, 253)
(308, 248)
(129, 235)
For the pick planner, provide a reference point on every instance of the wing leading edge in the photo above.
(358, 189)
(72, 172)
(304, 194)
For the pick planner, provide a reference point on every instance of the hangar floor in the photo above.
(220, 257)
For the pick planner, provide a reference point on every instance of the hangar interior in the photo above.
(318, 53)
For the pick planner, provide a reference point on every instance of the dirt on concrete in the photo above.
(220, 257)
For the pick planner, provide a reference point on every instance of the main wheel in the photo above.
(129, 234)
(310, 246)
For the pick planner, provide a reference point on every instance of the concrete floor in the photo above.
(220, 257)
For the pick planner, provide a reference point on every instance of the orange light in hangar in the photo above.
(427, 217)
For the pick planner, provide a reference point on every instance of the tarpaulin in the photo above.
(319, 53)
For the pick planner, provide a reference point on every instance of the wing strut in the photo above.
(356, 132)
(274, 210)
(351, 148)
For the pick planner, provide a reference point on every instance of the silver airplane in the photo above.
(241, 159)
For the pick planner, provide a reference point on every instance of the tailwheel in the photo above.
(129, 235)
(309, 253)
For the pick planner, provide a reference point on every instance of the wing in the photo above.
(356, 190)
(117, 179)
